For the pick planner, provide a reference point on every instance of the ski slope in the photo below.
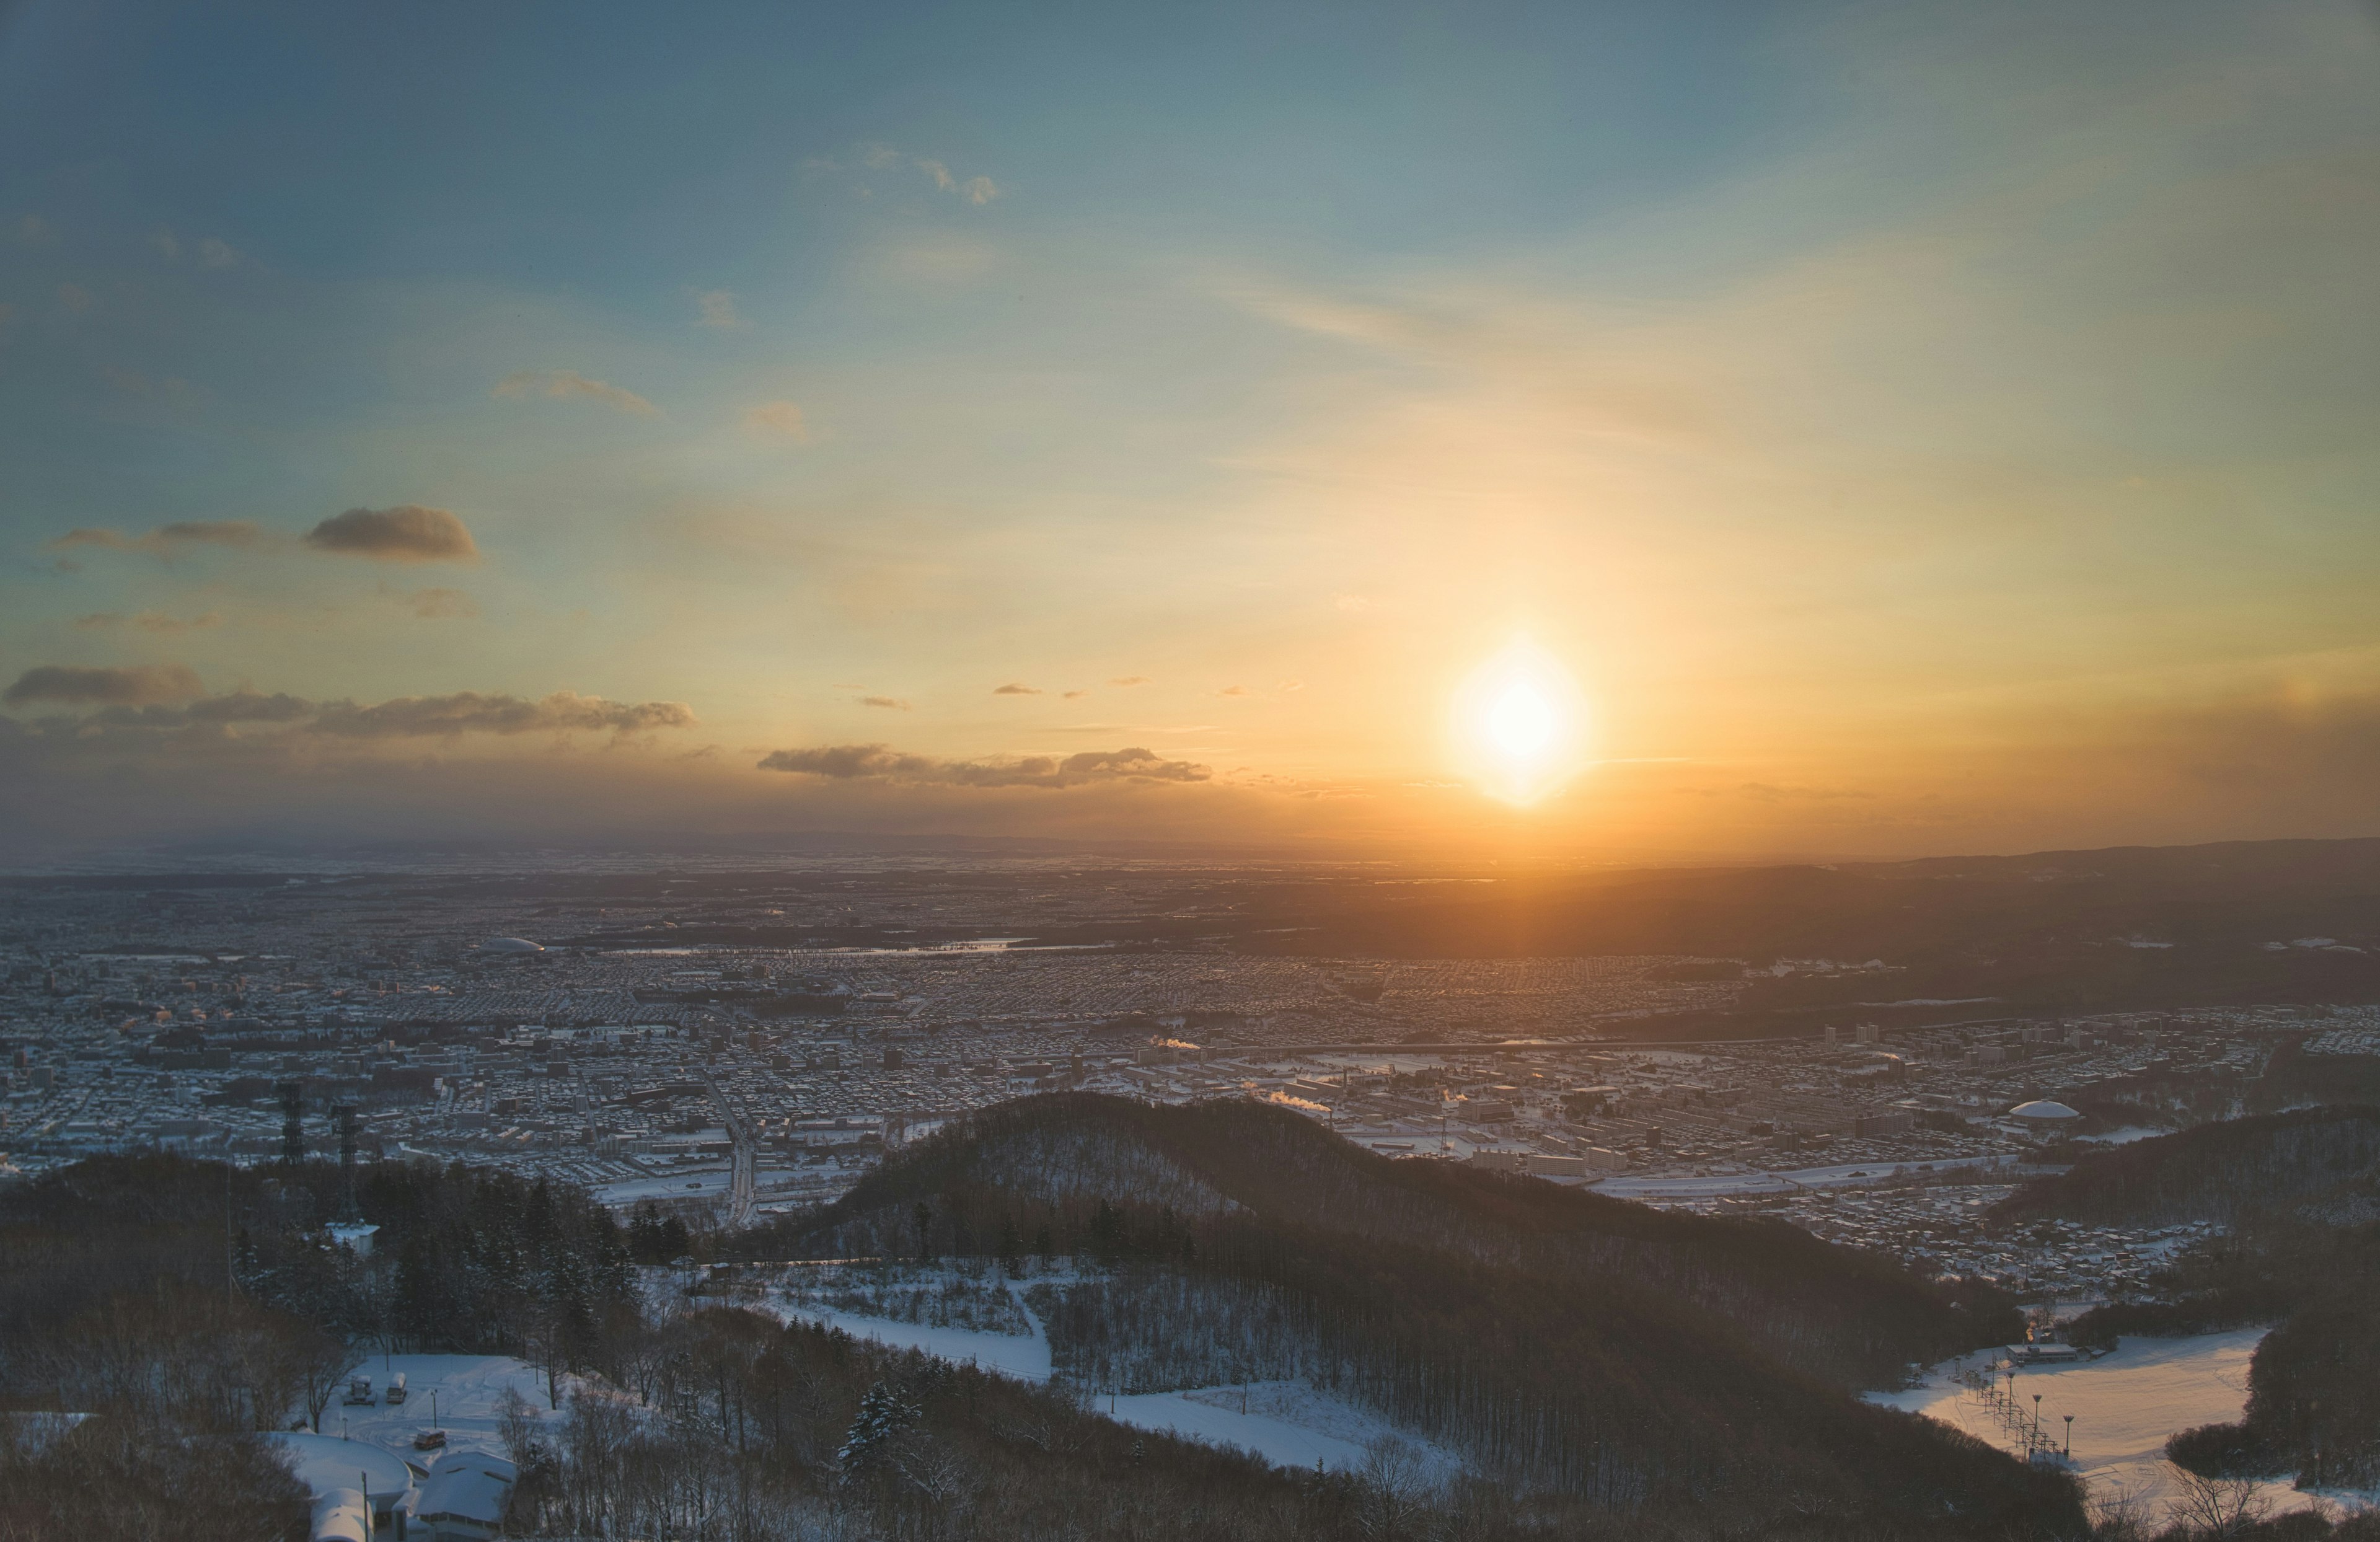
(1286, 1423)
(2125, 1404)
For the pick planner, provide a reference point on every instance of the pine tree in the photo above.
(884, 1415)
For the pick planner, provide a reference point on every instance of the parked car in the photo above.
(396, 1389)
(430, 1439)
(359, 1391)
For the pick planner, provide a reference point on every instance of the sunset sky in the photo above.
(1897, 428)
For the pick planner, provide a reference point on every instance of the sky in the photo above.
(1877, 428)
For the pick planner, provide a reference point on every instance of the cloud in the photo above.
(166, 243)
(126, 686)
(881, 762)
(442, 604)
(75, 298)
(33, 231)
(717, 308)
(1076, 696)
(893, 702)
(136, 704)
(1013, 689)
(149, 621)
(470, 713)
(1129, 680)
(170, 541)
(566, 384)
(783, 417)
(978, 191)
(1232, 690)
(214, 253)
(406, 533)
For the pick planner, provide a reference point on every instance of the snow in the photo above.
(469, 1395)
(2125, 1405)
(1009, 1354)
(1286, 1423)
(2124, 1136)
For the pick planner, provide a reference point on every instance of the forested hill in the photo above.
(2238, 1170)
(1561, 1341)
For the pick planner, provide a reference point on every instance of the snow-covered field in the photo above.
(1286, 1423)
(2125, 1405)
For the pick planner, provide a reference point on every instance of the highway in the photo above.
(742, 1183)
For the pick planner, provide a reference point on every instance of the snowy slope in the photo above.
(2125, 1405)
(1288, 1424)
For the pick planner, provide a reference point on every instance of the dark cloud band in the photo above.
(882, 762)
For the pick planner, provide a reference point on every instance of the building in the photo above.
(463, 1500)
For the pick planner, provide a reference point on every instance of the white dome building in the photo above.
(2044, 1114)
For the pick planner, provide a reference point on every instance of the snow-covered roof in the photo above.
(340, 1516)
(466, 1486)
(325, 1463)
(2042, 1107)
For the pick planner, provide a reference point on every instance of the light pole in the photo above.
(2036, 1418)
(2069, 1453)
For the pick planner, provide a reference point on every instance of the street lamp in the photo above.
(2070, 1438)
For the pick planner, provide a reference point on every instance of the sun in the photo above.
(1519, 724)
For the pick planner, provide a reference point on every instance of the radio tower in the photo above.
(293, 1121)
(347, 1211)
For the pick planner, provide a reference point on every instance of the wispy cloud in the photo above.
(214, 254)
(779, 417)
(978, 191)
(170, 540)
(149, 621)
(569, 384)
(1013, 689)
(1129, 680)
(891, 703)
(716, 308)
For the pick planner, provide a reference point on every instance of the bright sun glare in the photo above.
(1521, 723)
(1518, 724)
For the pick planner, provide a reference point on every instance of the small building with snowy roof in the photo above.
(462, 1499)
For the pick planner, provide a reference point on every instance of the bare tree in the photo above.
(1393, 1489)
(2216, 1507)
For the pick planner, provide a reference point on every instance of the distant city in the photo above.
(519, 1022)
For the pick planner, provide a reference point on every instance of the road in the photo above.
(742, 1183)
